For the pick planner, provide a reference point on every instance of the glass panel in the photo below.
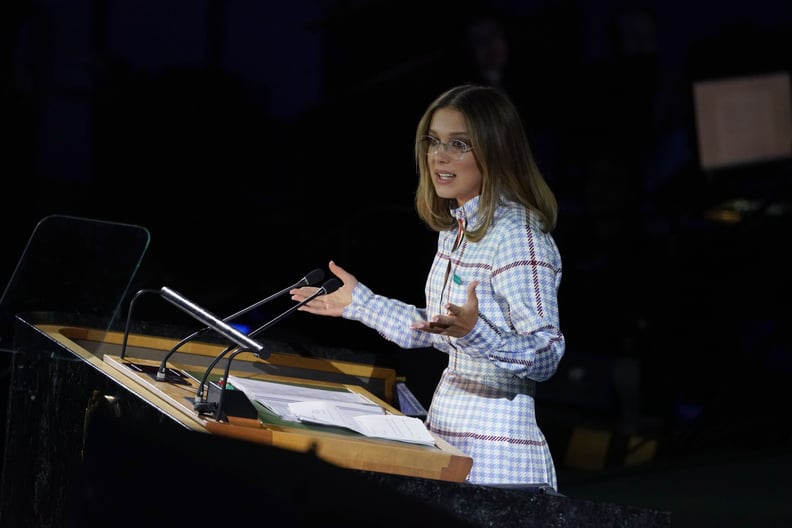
(73, 270)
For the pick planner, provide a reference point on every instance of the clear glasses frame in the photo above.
(454, 149)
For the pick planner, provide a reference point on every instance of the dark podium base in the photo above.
(132, 477)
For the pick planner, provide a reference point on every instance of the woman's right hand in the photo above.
(331, 304)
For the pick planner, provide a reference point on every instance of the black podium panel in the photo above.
(133, 477)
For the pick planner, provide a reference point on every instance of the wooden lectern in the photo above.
(354, 451)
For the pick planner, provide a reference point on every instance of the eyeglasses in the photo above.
(455, 149)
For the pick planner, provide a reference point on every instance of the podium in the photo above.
(354, 451)
(90, 441)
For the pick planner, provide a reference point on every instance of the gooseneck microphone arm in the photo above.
(200, 403)
(328, 287)
(310, 278)
(129, 319)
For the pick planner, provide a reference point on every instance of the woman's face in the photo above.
(455, 173)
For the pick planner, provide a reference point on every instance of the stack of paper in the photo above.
(346, 408)
(277, 396)
(388, 426)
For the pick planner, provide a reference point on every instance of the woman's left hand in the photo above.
(458, 320)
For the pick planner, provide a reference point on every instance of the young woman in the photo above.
(491, 293)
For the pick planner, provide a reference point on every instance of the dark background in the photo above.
(256, 142)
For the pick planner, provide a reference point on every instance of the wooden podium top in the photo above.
(348, 450)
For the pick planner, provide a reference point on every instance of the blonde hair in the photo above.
(503, 154)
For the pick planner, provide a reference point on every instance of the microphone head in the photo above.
(331, 285)
(313, 277)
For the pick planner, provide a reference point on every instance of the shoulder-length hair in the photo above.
(503, 154)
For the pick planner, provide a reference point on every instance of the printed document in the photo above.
(388, 426)
(340, 408)
(277, 396)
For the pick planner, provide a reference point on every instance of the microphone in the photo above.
(211, 320)
(310, 278)
(204, 407)
(329, 286)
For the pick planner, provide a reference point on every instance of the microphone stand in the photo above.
(206, 407)
(201, 404)
(310, 278)
(241, 340)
